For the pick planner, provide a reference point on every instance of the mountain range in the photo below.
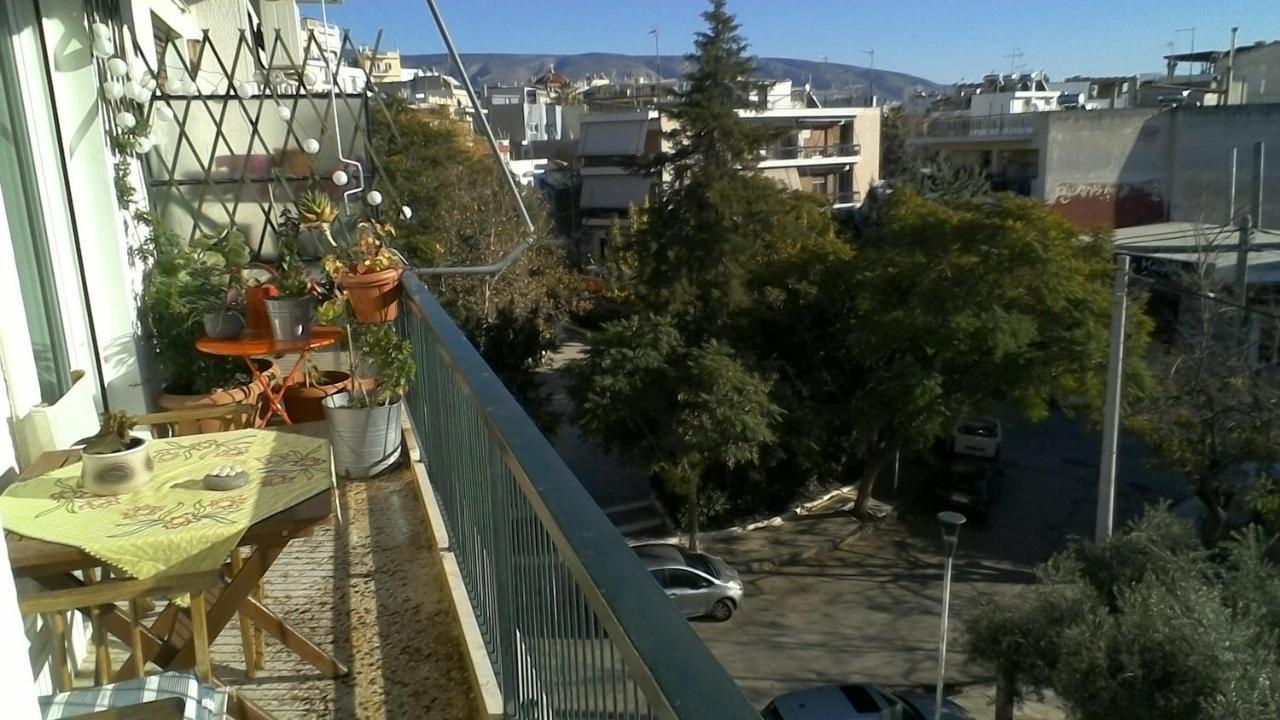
(836, 78)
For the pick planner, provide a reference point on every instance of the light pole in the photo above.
(950, 523)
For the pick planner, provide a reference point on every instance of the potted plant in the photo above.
(216, 296)
(289, 311)
(304, 401)
(312, 225)
(175, 276)
(369, 273)
(364, 421)
(115, 461)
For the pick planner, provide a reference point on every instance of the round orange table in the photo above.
(248, 347)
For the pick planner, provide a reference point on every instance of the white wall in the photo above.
(16, 686)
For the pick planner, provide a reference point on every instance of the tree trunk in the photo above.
(693, 511)
(1004, 695)
(870, 471)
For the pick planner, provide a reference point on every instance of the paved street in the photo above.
(869, 611)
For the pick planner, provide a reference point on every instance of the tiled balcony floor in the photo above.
(372, 592)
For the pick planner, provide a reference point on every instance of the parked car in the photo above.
(858, 702)
(972, 486)
(700, 585)
(979, 437)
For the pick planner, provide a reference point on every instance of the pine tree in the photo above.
(693, 250)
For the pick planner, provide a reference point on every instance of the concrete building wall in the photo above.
(1257, 76)
(866, 132)
(1201, 153)
(1106, 168)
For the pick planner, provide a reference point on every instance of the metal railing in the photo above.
(573, 624)
(811, 152)
(995, 125)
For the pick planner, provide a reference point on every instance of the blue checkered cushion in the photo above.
(203, 702)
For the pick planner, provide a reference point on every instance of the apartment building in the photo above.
(1118, 168)
(529, 118)
(1244, 75)
(830, 152)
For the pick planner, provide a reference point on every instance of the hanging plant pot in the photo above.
(289, 318)
(117, 473)
(365, 440)
(256, 308)
(223, 325)
(374, 297)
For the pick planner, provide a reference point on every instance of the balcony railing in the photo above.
(995, 125)
(811, 152)
(573, 624)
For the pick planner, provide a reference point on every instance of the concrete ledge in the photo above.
(483, 678)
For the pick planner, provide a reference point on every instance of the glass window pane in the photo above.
(22, 208)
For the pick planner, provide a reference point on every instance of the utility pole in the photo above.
(1231, 69)
(1111, 410)
(872, 91)
(1248, 226)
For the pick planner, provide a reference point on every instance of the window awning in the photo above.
(614, 138)
(613, 192)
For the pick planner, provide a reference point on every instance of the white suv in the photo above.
(979, 437)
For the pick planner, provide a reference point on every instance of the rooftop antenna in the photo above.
(1014, 56)
(872, 91)
(1191, 30)
(657, 59)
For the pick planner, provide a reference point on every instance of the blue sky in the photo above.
(942, 40)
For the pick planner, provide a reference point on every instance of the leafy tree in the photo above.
(1145, 625)
(686, 411)
(1214, 413)
(463, 214)
(967, 308)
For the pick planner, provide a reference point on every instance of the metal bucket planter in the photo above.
(223, 325)
(365, 441)
(116, 473)
(289, 318)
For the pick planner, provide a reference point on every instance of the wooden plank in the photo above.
(200, 636)
(246, 627)
(62, 672)
(289, 637)
(105, 594)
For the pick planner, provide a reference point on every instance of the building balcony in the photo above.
(1019, 126)
(779, 156)
(476, 579)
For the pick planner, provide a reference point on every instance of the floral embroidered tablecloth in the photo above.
(173, 525)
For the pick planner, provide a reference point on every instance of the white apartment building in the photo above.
(830, 152)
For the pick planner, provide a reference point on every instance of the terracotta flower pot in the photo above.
(255, 301)
(304, 402)
(241, 395)
(375, 297)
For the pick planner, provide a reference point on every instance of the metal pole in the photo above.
(484, 120)
(1111, 410)
(1231, 204)
(1255, 207)
(942, 640)
(1231, 68)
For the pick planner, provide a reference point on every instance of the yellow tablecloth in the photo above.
(173, 524)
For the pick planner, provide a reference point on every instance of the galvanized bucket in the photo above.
(365, 441)
(290, 318)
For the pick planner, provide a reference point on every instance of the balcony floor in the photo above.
(372, 592)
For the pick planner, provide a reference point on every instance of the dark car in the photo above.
(970, 485)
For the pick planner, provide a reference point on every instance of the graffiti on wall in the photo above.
(1114, 205)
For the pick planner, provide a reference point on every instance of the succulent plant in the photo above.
(316, 211)
(115, 434)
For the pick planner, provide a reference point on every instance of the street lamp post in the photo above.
(950, 523)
